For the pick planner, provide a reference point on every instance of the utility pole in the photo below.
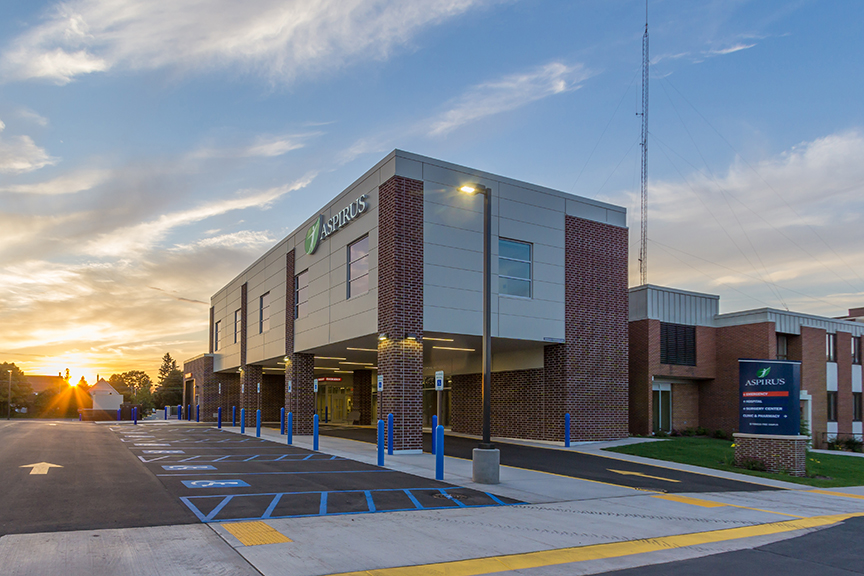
(643, 243)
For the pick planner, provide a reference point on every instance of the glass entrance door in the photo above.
(662, 407)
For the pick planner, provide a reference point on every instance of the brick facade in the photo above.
(814, 380)
(400, 307)
(299, 368)
(361, 399)
(777, 453)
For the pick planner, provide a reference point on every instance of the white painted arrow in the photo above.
(40, 468)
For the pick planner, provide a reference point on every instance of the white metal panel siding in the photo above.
(673, 306)
(856, 378)
(831, 376)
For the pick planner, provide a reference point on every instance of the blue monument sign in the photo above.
(768, 397)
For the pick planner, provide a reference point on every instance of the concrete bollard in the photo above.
(380, 443)
(179, 412)
(315, 433)
(289, 429)
(439, 455)
(219, 418)
(242, 421)
(282, 420)
(258, 423)
(434, 427)
(567, 430)
(389, 434)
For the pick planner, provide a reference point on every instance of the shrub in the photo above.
(752, 464)
(852, 444)
(834, 443)
(688, 432)
(700, 431)
(660, 434)
(721, 435)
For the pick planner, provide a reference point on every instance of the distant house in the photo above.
(40, 384)
(105, 397)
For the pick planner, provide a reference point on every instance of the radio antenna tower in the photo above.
(643, 244)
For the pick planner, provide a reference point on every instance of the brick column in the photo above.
(299, 368)
(201, 369)
(596, 331)
(555, 382)
(250, 399)
(361, 399)
(400, 307)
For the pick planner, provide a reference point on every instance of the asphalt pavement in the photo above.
(573, 464)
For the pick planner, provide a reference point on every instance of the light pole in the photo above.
(486, 458)
(9, 398)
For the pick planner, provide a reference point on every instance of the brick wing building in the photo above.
(387, 281)
(684, 362)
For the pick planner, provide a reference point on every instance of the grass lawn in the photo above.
(823, 470)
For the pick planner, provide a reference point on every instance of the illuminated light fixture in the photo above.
(344, 372)
(468, 189)
(382, 336)
(358, 363)
(324, 368)
(328, 358)
(411, 336)
(363, 349)
(438, 339)
(451, 348)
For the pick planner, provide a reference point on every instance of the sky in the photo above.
(151, 150)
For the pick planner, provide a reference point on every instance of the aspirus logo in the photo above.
(763, 380)
(321, 229)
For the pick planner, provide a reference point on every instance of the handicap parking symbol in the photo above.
(215, 483)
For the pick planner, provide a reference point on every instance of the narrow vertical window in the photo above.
(301, 294)
(514, 268)
(782, 347)
(264, 313)
(831, 347)
(358, 267)
(856, 406)
(216, 335)
(238, 318)
(832, 406)
(856, 350)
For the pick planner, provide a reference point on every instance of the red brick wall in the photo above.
(400, 307)
(778, 455)
(685, 405)
(640, 406)
(299, 368)
(718, 399)
(596, 331)
(844, 382)
(361, 399)
(813, 367)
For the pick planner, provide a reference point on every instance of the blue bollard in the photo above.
(389, 434)
(567, 430)
(380, 443)
(439, 456)
(282, 420)
(135, 416)
(434, 427)
(118, 414)
(79, 416)
(326, 414)
(197, 413)
(188, 412)
(315, 433)
(166, 412)
(219, 418)
(179, 412)
(258, 423)
(233, 416)
(242, 421)
(289, 430)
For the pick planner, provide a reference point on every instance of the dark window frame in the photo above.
(216, 336)
(264, 319)
(349, 279)
(782, 351)
(297, 288)
(530, 262)
(857, 406)
(831, 401)
(677, 344)
(856, 349)
(238, 325)
(831, 347)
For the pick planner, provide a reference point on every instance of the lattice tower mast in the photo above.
(643, 244)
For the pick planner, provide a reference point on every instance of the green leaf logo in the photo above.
(313, 236)
(763, 372)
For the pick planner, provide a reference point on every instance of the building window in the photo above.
(264, 313)
(782, 347)
(216, 335)
(358, 267)
(514, 268)
(677, 344)
(832, 406)
(238, 326)
(301, 294)
(831, 347)
(856, 350)
(856, 406)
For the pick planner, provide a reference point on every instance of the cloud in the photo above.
(19, 154)
(798, 215)
(142, 236)
(67, 184)
(730, 50)
(508, 93)
(263, 146)
(33, 116)
(281, 39)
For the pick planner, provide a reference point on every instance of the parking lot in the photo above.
(221, 476)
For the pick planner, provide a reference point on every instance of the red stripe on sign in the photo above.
(765, 394)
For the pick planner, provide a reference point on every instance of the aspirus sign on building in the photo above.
(769, 392)
(321, 229)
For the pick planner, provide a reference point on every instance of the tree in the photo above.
(118, 382)
(21, 390)
(169, 390)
